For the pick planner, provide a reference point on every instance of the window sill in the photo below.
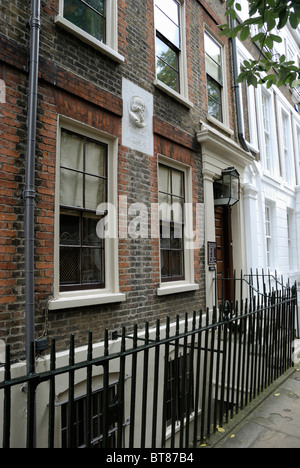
(221, 125)
(88, 39)
(178, 288)
(82, 299)
(179, 97)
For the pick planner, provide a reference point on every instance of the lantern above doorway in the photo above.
(227, 189)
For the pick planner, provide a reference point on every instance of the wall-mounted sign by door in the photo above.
(212, 253)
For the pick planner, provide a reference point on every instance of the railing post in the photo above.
(7, 400)
(31, 409)
(52, 398)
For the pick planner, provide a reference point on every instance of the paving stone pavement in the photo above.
(273, 423)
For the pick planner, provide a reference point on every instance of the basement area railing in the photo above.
(170, 386)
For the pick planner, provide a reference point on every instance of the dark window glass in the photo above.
(88, 15)
(180, 389)
(213, 62)
(214, 99)
(96, 423)
(167, 19)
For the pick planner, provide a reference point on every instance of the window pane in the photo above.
(92, 261)
(69, 256)
(167, 75)
(213, 49)
(177, 184)
(165, 202)
(178, 210)
(71, 188)
(177, 234)
(97, 5)
(214, 99)
(71, 151)
(69, 230)
(164, 179)
(95, 192)
(214, 90)
(213, 69)
(95, 158)
(69, 262)
(166, 54)
(176, 258)
(165, 272)
(86, 18)
(214, 109)
(170, 8)
(168, 27)
(90, 237)
(167, 65)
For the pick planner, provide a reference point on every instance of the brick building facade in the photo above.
(81, 94)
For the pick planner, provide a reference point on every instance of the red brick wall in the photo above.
(80, 83)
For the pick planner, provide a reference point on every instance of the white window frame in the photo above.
(183, 95)
(266, 116)
(271, 167)
(251, 101)
(287, 155)
(286, 149)
(296, 135)
(111, 292)
(291, 239)
(110, 48)
(188, 284)
(224, 124)
(269, 233)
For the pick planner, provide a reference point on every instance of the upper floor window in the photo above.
(266, 130)
(168, 42)
(286, 149)
(94, 22)
(214, 73)
(287, 152)
(88, 15)
(269, 237)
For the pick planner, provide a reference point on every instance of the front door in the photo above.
(225, 289)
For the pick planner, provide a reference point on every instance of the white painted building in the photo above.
(272, 181)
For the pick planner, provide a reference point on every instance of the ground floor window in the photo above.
(83, 186)
(171, 203)
(180, 389)
(96, 424)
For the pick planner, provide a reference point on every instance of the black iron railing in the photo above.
(169, 386)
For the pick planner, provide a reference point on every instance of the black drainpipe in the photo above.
(29, 191)
(237, 93)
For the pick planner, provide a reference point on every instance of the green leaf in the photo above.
(258, 38)
(283, 18)
(276, 38)
(252, 81)
(245, 33)
(282, 59)
(270, 80)
(294, 20)
(271, 22)
(269, 42)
